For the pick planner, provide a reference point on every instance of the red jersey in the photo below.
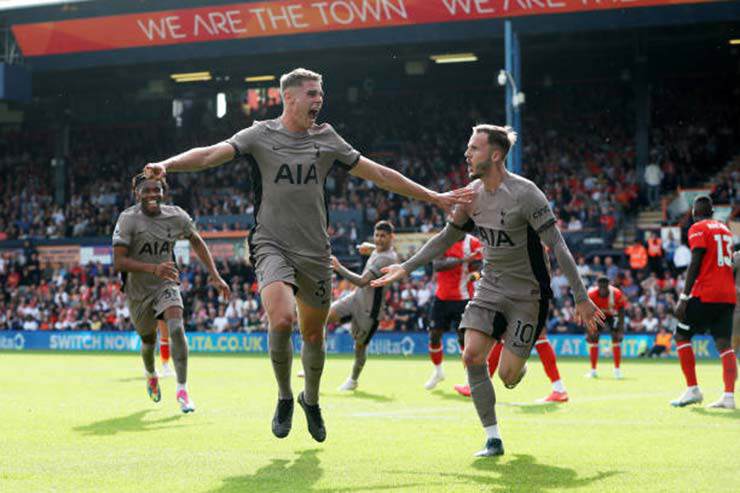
(715, 283)
(454, 284)
(611, 304)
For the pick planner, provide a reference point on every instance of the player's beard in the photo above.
(478, 171)
(151, 210)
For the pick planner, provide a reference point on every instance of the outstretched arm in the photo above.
(196, 159)
(394, 181)
(358, 280)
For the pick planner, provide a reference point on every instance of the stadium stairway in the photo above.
(652, 218)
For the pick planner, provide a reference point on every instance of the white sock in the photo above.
(438, 369)
(492, 432)
(150, 375)
(693, 387)
(182, 386)
(729, 395)
(558, 386)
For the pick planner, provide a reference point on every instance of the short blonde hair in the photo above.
(502, 137)
(296, 77)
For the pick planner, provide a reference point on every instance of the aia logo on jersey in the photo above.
(155, 248)
(495, 237)
(297, 174)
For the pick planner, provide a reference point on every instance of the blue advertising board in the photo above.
(384, 343)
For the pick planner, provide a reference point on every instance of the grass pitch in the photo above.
(83, 422)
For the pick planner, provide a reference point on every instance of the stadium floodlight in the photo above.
(259, 78)
(454, 58)
(735, 41)
(191, 77)
(220, 105)
(503, 77)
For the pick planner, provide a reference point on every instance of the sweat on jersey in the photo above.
(150, 239)
(288, 174)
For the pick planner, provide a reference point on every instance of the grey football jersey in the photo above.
(371, 300)
(507, 222)
(150, 239)
(289, 171)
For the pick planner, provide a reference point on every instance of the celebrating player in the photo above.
(291, 157)
(611, 301)
(143, 242)
(454, 289)
(363, 306)
(707, 303)
(513, 218)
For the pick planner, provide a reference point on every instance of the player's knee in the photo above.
(508, 375)
(593, 339)
(315, 337)
(682, 337)
(473, 358)
(722, 344)
(282, 321)
(617, 338)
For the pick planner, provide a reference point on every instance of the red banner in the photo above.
(281, 18)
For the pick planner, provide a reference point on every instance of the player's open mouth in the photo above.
(312, 114)
(151, 203)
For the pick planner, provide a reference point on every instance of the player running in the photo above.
(612, 302)
(454, 289)
(513, 218)
(143, 241)
(549, 363)
(363, 306)
(707, 303)
(291, 157)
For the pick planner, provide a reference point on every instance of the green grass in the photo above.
(71, 422)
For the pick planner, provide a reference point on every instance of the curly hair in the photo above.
(141, 178)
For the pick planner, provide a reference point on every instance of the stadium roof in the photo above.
(24, 4)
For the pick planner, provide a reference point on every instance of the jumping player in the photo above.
(513, 218)
(363, 306)
(291, 157)
(143, 241)
(707, 303)
(612, 302)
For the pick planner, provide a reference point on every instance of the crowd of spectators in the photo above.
(579, 148)
(43, 296)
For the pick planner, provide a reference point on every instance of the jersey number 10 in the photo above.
(724, 244)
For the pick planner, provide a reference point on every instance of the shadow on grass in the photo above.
(360, 394)
(717, 413)
(132, 423)
(534, 408)
(301, 474)
(523, 473)
(449, 396)
(131, 379)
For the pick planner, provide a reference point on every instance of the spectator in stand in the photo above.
(653, 179)
(638, 256)
(655, 253)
